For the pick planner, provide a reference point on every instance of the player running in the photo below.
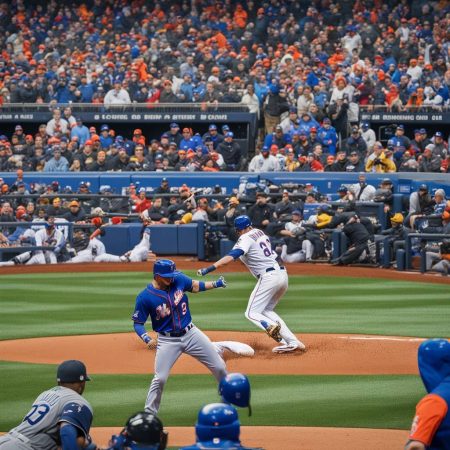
(255, 251)
(167, 304)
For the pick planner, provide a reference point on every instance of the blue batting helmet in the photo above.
(434, 362)
(217, 421)
(235, 389)
(165, 268)
(242, 222)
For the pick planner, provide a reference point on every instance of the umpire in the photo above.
(358, 237)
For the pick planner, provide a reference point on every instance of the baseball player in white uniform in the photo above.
(255, 251)
(139, 253)
(94, 249)
(48, 236)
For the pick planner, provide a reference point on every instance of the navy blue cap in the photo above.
(174, 125)
(400, 127)
(104, 128)
(423, 131)
(229, 134)
(212, 127)
(296, 212)
(71, 371)
(438, 134)
(225, 128)
(293, 109)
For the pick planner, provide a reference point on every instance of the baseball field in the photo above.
(356, 385)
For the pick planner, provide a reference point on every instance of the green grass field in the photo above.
(64, 304)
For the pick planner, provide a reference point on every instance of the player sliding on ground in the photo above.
(255, 251)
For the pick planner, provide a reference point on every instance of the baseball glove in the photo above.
(274, 332)
(152, 344)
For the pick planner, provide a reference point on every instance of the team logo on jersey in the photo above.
(177, 296)
(162, 311)
(136, 315)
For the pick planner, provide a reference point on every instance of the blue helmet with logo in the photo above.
(434, 362)
(217, 421)
(235, 389)
(165, 268)
(242, 222)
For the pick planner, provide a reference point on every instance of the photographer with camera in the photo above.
(378, 161)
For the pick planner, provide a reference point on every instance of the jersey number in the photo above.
(37, 413)
(184, 308)
(266, 248)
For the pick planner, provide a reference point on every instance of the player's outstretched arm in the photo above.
(200, 286)
(232, 255)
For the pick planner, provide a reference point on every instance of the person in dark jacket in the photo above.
(230, 151)
(358, 238)
(75, 213)
(261, 213)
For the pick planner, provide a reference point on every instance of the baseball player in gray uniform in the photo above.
(255, 251)
(59, 418)
(164, 300)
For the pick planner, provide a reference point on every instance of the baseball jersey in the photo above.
(258, 254)
(55, 239)
(59, 404)
(168, 310)
(96, 247)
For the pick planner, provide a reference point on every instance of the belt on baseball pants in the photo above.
(177, 333)
(270, 269)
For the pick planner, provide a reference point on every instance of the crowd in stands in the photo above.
(306, 67)
(264, 54)
(65, 144)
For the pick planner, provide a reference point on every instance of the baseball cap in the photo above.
(212, 127)
(296, 212)
(104, 128)
(423, 131)
(355, 129)
(174, 125)
(265, 150)
(293, 109)
(18, 127)
(229, 134)
(438, 134)
(225, 128)
(326, 120)
(278, 127)
(401, 127)
(71, 371)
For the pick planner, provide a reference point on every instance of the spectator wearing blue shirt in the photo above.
(58, 163)
(215, 137)
(327, 136)
(80, 131)
(86, 89)
(105, 139)
(187, 142)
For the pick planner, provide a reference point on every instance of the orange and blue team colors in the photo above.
(431, 424)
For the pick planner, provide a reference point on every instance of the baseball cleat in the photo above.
(274, 332)
(239, 348)
(292, 347)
